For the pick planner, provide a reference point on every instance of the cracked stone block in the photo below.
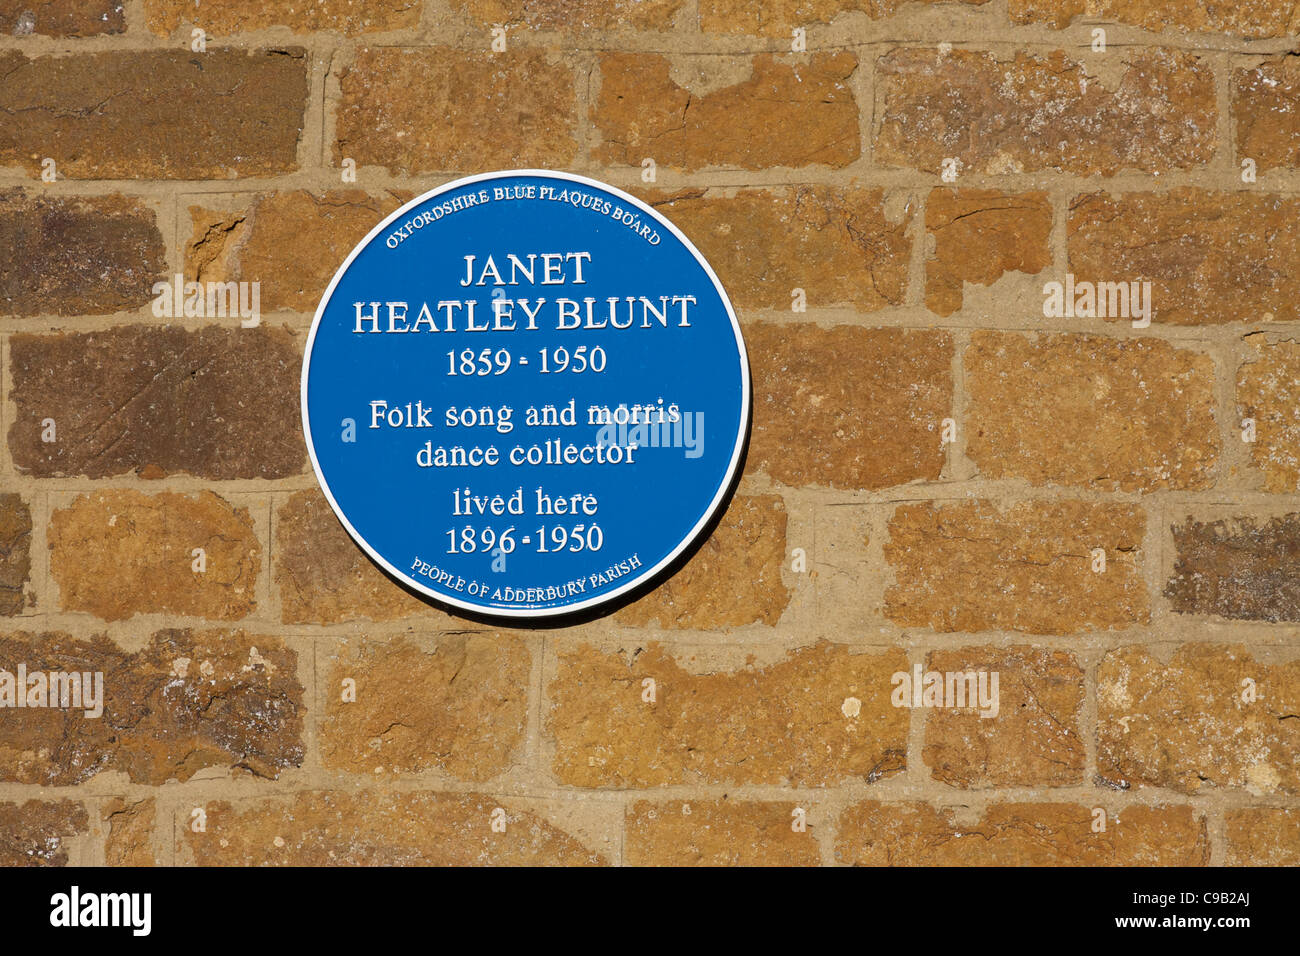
(1031, 736)
(979, 236)
(1211, 257)
(216, 402)
(130, 824)
(290, 243)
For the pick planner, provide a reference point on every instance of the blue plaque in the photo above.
(525, 393)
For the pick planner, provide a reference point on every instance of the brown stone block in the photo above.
(116, 554)
(820, 716)
(291, 243)
(848, 407)
(494, 110)
(972, 566)
(1241, 568)
(777, 18)
(799, 113)
(15, 554)
(1263, 836)
(77, 255)
(1186, 724)
(1032, 739)
(573, 16)
(216, 402)
(329, 828)
(324, 577)
(733, 579)
(1253, 18)
(1211, 257)
(1268, 391)
(155, 114)
(1264, 105)
(34, 833)
(717, 833)
(1021, 834)
(61, 18)
(226, 17)
(840, 246)
(979, 236)
(460, 706)
(186, 701)
(130, 832)
(1032, 112)
(1097, 412)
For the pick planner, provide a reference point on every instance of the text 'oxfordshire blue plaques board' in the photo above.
(525, 393)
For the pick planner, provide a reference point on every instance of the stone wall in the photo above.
(940, 475)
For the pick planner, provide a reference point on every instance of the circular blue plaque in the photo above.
(525, 393)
